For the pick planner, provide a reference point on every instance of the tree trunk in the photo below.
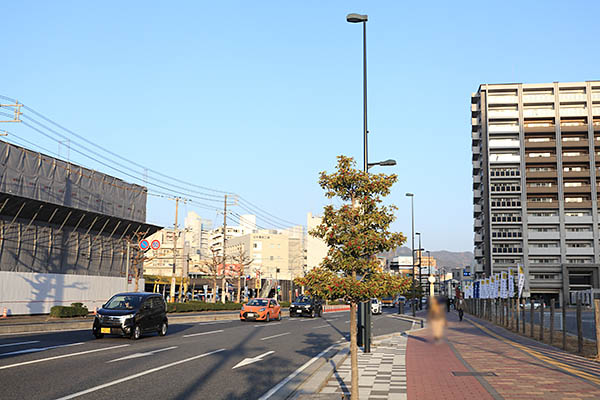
(239, 291)
(214, 294)
(353, 353)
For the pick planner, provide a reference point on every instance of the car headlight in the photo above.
(262, 309)
(126, 317)
(307, 307)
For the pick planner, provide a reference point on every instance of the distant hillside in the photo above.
(444, 258)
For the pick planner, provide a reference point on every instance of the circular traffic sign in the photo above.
(144, 244)
(155, 244)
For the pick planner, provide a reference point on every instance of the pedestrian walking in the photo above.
(448, 302)
(459, 304)
(437, 319)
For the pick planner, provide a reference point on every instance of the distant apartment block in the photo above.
(536, 164)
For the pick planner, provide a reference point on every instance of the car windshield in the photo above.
(258, 302)
(374, 301)
(302, 299)
(388, 299)
(123, 302)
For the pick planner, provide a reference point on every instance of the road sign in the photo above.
(155, 244)
(144, 244)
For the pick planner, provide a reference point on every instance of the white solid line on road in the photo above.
(322, 326)
(19, 343)
(214, 322)
(137, 355)
(247, 361)
(37, 349)
(271, 324)
(274, 336)
(330, 319)
(203, 333)
(291, 376)
(128, 378)
(62, 356)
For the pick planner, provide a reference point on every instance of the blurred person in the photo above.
(459, 305)
(436, 318)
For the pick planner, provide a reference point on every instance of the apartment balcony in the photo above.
(543, 251)
(478, 238)
(502, 99)
(580, 128)
(503, 128)
(478, 223)
(539, 205)
(587, 219)
(475, 108)
(538, 113)
(476, 179)
(578, 189)
(477, 193)
(478, 253)
(582, 158)
(551, 144)
(503, 114)
(476, 136)
(505, 158)
(578, 205)
(535, 235)
(538, 98)
(539, 129)
(475, 121)
(476, 164)
(542, 189)
(596, 111)
(541, 174)
(580, 251)
(588, 235)
(540, 160)
(477, 209)
(542, 220)
(572, 97)
(583, 143)
(476, 150)
(596, 96)
(573, 112)
(577, 174)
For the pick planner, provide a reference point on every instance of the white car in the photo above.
(376, 307)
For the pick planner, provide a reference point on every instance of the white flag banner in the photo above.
(503, 284)
(497, 288)
(521, 280)
(488, 288)
(494, 287)
(511, 282)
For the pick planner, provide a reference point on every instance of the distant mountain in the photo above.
(444, 258)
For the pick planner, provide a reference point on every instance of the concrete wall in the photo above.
(35, 293)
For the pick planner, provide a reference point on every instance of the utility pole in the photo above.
(224, 284)
(173, 278)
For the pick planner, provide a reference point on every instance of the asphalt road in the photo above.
(212, 360)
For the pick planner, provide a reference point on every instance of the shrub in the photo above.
(66, 311)
(284, 304)
(195, 306)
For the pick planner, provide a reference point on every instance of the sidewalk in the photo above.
(476, 361)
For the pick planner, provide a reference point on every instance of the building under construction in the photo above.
(67, 233)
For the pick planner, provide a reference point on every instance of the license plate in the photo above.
(104, 330)
(299, 311)
(251, 314)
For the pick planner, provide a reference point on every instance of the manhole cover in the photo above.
(474, 373)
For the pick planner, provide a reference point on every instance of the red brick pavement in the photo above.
(520, 376)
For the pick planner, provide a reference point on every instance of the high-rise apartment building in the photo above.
(536, 176)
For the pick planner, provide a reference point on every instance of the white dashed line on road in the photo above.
(203, 333)
(128, 378)
(322, 326)
(19, 343)
(274, 336)
(61, 356)
(271, 324)
(36, 349)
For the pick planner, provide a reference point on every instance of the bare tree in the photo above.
(213, 268)
(242, 260)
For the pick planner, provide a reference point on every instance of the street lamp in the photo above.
(386, 163)
(412, 250)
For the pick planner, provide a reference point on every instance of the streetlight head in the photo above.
(388, 163)
(418, 233)
(409, 194)
(355, 18)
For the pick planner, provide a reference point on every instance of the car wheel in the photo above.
(320, 312)
(162, 331)
(97, 334)
(312, 313)
(268, 317)
(136, 333)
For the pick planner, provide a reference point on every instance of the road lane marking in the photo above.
(274, 336)
(215, 322)
(347, 322)
(203, 333)
(61, 356)
(291, 376)
(19, 343)
(128, 378)
(137, 355)
(37, 349)
(247, 361)
(322, 326)
(271, 324)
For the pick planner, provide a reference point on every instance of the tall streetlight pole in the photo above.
(412, 250)
(420, 249)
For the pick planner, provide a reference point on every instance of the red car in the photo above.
(261, 310)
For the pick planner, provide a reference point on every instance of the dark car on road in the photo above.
(306, 306)
(131, 314)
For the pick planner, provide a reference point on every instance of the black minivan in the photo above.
(131, 314)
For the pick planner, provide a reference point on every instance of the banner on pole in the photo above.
(504, 284)
(511, 282)
(521, 280)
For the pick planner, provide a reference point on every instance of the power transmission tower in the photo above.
(17, 111)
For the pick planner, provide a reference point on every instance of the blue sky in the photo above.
(257, 97)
